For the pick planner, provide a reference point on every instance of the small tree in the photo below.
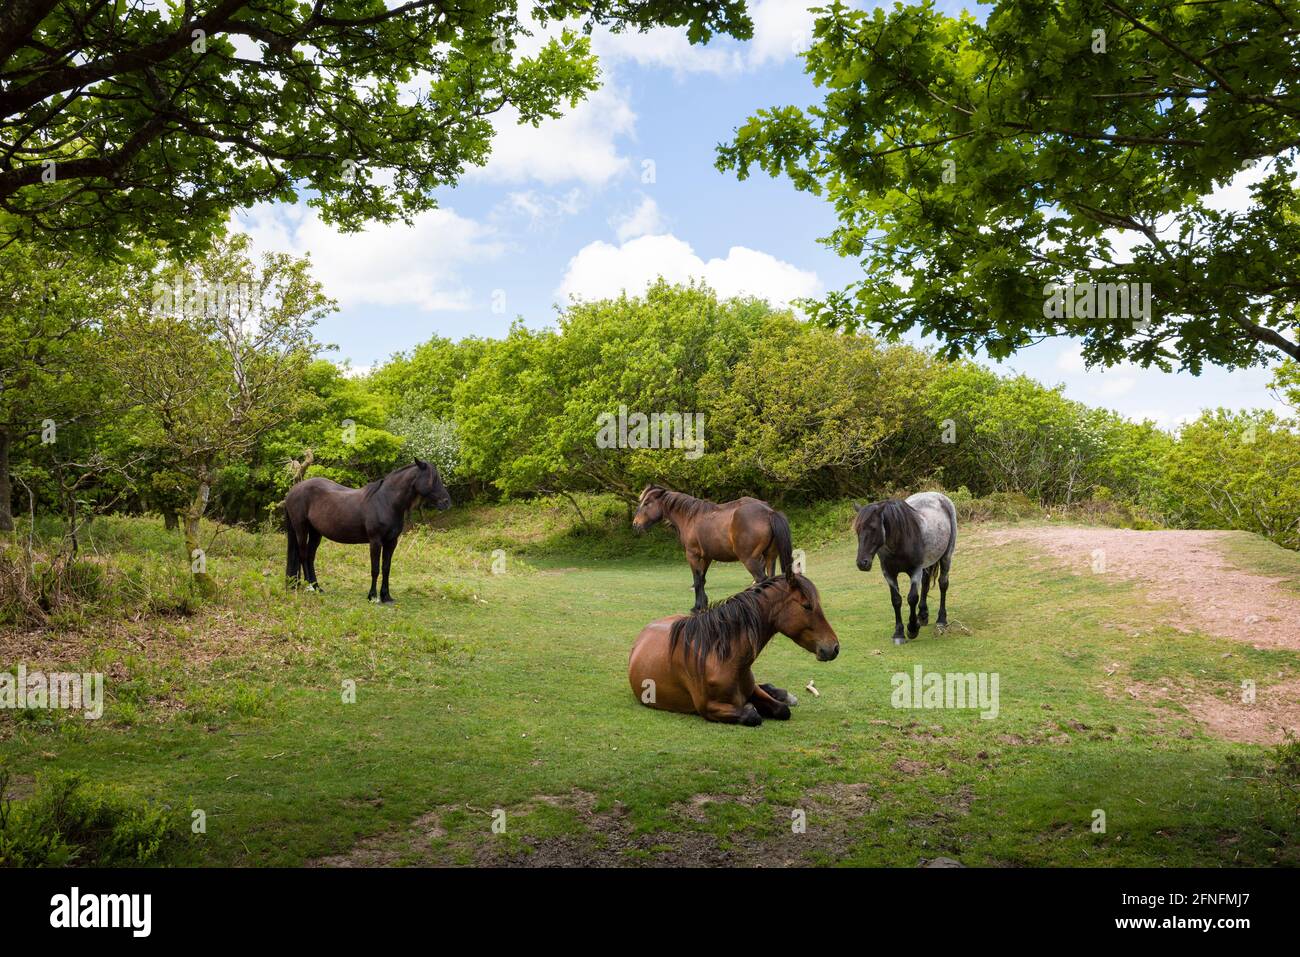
(213, 354)
(52, 302)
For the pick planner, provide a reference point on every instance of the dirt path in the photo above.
(1207, 592)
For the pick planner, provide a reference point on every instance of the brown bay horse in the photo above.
(319, 508)
(747, 530)
(702, 663)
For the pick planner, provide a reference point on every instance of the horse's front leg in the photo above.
(384, 597)
(375, 548)
(913, 626)
(728, 712)
(897, 599)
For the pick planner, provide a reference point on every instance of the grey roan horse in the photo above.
(320, 508)
(915, 537)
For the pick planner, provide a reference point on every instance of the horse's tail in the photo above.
(292, 561)
(781, 538)
(952, 523)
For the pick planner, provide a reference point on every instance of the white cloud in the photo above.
(387, 265)
(645, 220)
(579, 146)
(601, 270)
(1234, 195)
(667, 48)
(782, 29)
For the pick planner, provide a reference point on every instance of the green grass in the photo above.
(479, 692)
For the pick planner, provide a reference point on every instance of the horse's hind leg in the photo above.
(309, 562)
(768, 705)
(780, 694)
(302, 532)
(944, 563)
(923, 614)
(757, 567)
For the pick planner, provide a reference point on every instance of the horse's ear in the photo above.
(856, 508)
(420, 463)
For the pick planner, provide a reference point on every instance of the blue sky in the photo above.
(624, 188)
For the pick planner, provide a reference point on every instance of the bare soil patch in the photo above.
(1190, 572)
(1187, 569)
(608, 839)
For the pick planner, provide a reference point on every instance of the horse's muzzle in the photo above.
(864, 564)
(824, 655)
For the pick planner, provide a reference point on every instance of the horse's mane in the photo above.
(684, 504)
(374, 486)
(713, 631)
(898, 517)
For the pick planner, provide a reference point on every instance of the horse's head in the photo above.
(869, 524)
(428, 483)
(800, 617)
(650, 508)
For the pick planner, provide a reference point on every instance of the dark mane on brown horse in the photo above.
(738, 618)
(687, 505)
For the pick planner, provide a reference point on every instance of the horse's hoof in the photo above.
(900, 640)
(790, 700)
(388, 601)
(913, 632)
(750, 717)
(782, 713)
(923, 618)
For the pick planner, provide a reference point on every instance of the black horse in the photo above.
(320, 508)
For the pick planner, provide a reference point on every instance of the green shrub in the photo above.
(69, 822)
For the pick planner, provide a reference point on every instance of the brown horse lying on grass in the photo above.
(746, 530)
(702, 663)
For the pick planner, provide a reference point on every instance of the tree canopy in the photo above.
(972, 166)
(118, 117)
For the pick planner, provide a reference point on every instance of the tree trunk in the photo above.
(193, 516)
(6, 492)
(170, 520)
